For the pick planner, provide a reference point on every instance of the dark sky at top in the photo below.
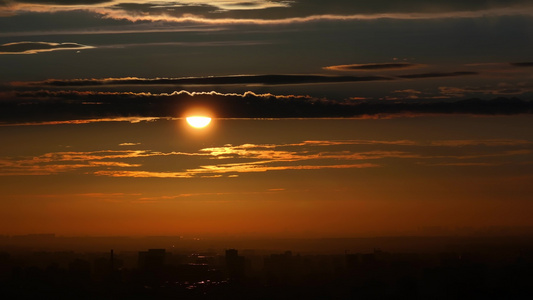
(337, 50)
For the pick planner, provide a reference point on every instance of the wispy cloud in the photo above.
(232, 161)
(314, 16)
(273, 79)
(61, 162)
(375, 66)
(437, 75)
(131, 29)
(522, 64)
(85, 121)
(199, 19)
(500, 89)
(464, 164)
(210, 80)
(489, 143)
(37, 47)
(219, 170)
(129, 144)
(184, 196)
(238, 12)
(270, 152)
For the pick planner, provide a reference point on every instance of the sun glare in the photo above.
(198, 121)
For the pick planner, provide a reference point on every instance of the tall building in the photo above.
(235, 264)
(153, 259)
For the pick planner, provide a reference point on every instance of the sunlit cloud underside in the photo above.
(237, 12)
(232, 161)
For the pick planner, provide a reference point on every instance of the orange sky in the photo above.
(284, 178)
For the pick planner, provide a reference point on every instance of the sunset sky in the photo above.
(333, 118)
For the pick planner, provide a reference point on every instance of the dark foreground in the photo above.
(491, 270)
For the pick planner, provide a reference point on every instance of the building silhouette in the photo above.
(235, 264)
(152, 260)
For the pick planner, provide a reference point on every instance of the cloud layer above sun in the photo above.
(272, 12)
(443, 51)
(76, 106)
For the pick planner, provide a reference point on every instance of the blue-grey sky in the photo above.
(411, 50)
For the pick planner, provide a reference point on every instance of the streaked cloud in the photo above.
(268, 152)
(464, 164)
(522, 64)
(235, 160)
(375, 66)
(409, 94)
(260, 12)
(85, 121)
(490, 143)
(211, 80)
(218, 171)
(437, 75)
(281, 79)
(129, 144)
(195, 196)
(36, 107)
(61, 162)
(187, 44)
(500, 89)
(189, 196)
(37, 47)
(199, 19)
(503, 70)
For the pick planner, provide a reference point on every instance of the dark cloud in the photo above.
(387, 6)
(436, 75)
(501, 89)
(176, 9)
(213, 80)
(282, 12)
(310, 6)
(41, 106)
(35, 47)
(374, 66)
(244, 4)
(522, 64)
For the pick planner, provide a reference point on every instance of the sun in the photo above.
(198, 121)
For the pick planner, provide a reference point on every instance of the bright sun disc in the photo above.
(198, 122)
